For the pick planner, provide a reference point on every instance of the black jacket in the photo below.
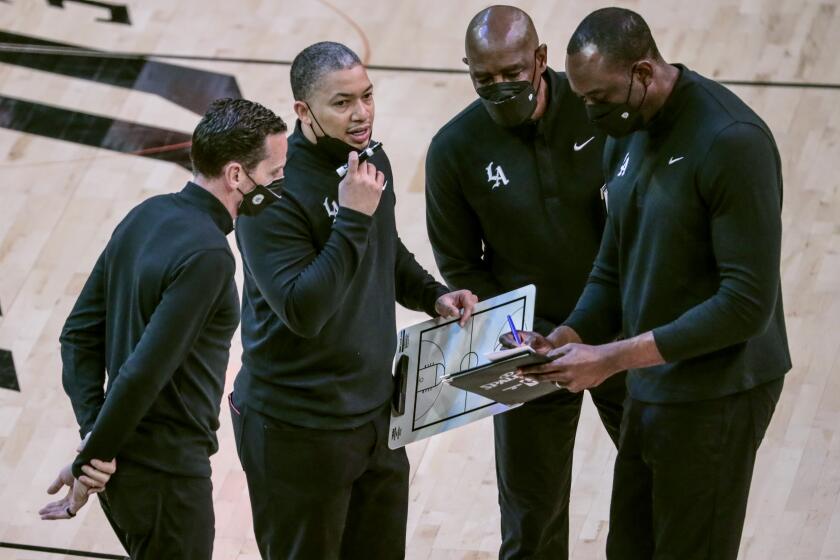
(692, 248)
(509, 207)
(157, 313)
(318, 316)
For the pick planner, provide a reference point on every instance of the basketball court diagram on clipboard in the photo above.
(431, 350)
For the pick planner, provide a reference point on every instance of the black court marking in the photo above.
(119, 12)
(191, 88)
(763, 83)
(8, 373)
(65, 551)
(4, 47)
(95, 130)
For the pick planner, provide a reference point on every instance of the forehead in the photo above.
(348, 80)
(493, 59)
(588, 70)
(275, 149)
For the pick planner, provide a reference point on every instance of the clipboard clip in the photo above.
(400, 381)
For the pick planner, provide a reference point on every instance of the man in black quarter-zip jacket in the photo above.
(689, 271)
(513, 197)
(157, 314)
(323, 268)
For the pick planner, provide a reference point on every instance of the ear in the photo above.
(644, 71)
(233, 175)
(302, 112)
(542, 58)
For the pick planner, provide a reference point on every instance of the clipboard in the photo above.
(423, 404)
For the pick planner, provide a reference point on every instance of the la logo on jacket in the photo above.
(498, 179)
(331, 207)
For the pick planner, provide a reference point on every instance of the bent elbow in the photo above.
(754, 315)
(302, 324)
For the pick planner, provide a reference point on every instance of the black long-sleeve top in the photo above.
(157, 314)
(318, 315)
(692, 248)
(509, 207)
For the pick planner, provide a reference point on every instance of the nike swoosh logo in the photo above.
(674, 160)
(578, 147)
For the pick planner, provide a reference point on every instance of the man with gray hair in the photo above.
(323, 268)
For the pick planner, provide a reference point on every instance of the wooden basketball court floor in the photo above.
(85, 138)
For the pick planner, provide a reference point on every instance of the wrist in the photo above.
(637, 352)
(563, 335)
(617, 355)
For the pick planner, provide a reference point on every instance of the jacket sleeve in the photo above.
(303, 285)
(454, 229)
(83, 349)
(415, 288)
(187, 302)
(597, 315)
(741, 184)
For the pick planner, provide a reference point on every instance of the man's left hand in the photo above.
(459, 303)
(575, 367)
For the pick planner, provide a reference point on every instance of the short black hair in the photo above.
(621, 35)
(232, 130)
(316, 60)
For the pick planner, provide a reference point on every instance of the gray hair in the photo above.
(314, 61)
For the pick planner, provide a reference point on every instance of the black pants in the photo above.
(323, 494)
(683, 475)
(158, 515)
(534, 446)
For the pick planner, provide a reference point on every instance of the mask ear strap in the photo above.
(630, 87)
(311, 112)
(642, 102)
(250, 179)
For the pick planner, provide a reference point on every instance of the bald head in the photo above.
(500, 29)
(502, 46)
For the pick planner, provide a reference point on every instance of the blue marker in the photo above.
(513, 330)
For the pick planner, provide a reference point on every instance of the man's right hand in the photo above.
(362, 186)
(97, 472)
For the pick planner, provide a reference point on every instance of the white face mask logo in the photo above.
(258, 199)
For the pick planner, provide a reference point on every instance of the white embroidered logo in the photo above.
(332, 211)
(674, 160)
(497, 179)
(623, 169)
(578, 147)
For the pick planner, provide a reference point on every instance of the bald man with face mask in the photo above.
(513, 197)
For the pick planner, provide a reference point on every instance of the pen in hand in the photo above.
(513, 331)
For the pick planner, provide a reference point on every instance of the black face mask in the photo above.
(336, 150)
(258, 198)
(618, 119)
(510, 104)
